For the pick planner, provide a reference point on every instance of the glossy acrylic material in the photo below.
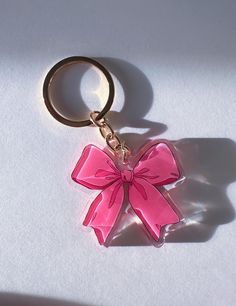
(156, 167)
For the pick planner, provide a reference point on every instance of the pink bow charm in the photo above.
(156, 167)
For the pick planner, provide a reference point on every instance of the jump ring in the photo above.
(99, 123)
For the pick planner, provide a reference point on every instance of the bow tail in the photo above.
(104, 211)
(151, 207)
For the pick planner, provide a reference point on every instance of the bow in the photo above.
(156, 167)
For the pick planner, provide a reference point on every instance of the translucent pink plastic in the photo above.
(156, 167)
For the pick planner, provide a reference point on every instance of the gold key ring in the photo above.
(50, 76)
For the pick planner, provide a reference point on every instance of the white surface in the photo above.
(186, 50)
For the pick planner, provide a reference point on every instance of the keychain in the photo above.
(117, 173)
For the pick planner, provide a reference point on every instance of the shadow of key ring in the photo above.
(62, 64)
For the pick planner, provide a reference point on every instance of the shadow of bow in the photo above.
(201, 196)
(209, 166)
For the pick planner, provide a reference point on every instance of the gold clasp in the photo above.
(118, 146)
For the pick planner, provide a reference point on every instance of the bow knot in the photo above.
(127, 176)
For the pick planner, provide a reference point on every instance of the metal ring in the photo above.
(49, 77)
(93, 118)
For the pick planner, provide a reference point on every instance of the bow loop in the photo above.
(157, 166)
(95, 169)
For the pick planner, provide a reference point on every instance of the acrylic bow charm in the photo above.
(156, 167)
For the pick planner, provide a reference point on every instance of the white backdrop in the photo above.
(174, 64)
